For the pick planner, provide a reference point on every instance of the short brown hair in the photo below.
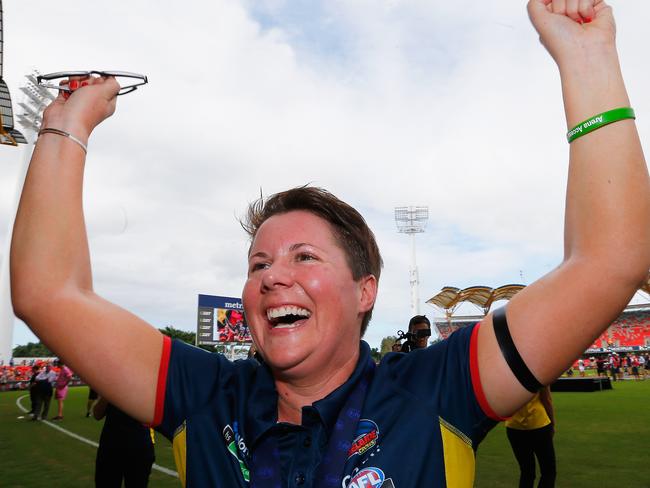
(350, 229)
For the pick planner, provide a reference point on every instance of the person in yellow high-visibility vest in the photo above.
(530, 432)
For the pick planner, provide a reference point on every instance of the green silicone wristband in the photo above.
(598, 121)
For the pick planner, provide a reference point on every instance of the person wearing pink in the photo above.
(61, 388)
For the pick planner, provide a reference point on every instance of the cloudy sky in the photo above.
(453, 105)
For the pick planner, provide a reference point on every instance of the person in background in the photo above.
(33, 391)
(61, 388)
(614, 366)
(581, 367)
(600, 366)
(92, 397)
(43, 395)
(620, 367)
(419, 333)
(126, 449)
(634, 362)
(642, 365)
(530, 432)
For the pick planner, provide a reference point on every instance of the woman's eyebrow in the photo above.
(258, 254)
(292, 248)
(298, 245)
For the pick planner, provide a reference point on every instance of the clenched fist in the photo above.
(80, 112)
(573, 29)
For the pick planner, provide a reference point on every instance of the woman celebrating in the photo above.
(315, 411)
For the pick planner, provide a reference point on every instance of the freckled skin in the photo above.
(295, 260)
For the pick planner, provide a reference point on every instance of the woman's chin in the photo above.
(285, 361)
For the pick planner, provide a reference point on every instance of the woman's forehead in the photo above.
(291, 228)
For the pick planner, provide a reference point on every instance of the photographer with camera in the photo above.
(418, 334)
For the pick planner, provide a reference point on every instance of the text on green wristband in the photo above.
(588, 123)
(600, 120)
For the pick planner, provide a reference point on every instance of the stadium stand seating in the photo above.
(445, 329)
(631, 329)
(17, 377)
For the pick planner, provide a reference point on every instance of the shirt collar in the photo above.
(329, 407)
(262, 409)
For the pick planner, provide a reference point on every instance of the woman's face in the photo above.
(302, 304)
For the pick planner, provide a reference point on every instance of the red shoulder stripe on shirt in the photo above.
(476, 378)
(162, 381)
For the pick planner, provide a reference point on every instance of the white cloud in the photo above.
(453, 105)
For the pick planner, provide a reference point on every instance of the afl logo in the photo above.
(367, 437)
(367, 478)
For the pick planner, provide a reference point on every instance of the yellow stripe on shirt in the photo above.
(459, 457)
(179, 447)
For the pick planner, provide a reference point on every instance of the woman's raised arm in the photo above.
(607, 223)
(51, 278)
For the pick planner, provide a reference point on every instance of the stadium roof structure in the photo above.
(646, 286)
(450, 297)
(8, 134)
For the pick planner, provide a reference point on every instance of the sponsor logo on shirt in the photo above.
(236, 445)
(366, 438)
(368, 478)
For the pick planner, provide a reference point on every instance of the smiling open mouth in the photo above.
(287, 317)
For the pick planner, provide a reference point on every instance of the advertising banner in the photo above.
(221, 321)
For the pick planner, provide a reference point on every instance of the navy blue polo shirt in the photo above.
(422, 419)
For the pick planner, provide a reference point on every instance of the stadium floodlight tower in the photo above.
(411, 221)
(35, 100)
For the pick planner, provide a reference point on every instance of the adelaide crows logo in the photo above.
(366, 438)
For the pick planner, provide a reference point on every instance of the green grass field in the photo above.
(33, 454)
(601, 442)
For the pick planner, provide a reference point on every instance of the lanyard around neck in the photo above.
(265, 469)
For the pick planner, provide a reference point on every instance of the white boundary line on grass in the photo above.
(169, 472)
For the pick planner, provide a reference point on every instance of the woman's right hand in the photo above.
(574, 30)
(85, 108)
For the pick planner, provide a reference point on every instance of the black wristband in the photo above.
(510, 353)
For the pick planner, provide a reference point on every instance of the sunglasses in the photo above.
(422, 333)
(128, 81)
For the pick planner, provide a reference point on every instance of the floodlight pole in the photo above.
(411, 221)
(414, 279)
(36, 99)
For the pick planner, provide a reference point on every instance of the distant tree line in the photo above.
(32, 350)
(39, 350)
